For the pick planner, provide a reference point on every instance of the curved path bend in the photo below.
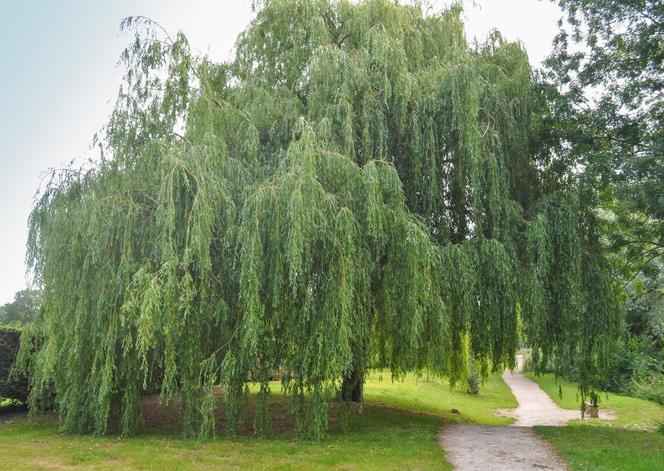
(506, 448)
(535, 406)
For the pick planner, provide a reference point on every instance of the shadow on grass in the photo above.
(161, 419)
(370, 437)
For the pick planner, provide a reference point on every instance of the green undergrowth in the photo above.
(6, 402)
(630, 412)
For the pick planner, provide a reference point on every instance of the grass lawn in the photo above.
(631, 413)
(606, 448)
(626, 443)
(396, 429)
(379, 438)
(435, 397)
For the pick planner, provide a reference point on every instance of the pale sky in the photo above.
(58, 80)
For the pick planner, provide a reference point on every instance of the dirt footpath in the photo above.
(535, 406)
(497, 448)
(506, 448)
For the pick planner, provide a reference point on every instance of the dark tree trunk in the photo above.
(352, 386)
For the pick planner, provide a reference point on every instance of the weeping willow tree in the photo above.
(357, 188)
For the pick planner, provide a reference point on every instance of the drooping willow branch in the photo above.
(349, 192)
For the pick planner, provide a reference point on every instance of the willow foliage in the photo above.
(356, 189)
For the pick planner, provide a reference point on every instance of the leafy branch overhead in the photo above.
(358, 188)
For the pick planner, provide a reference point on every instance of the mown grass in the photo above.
(379, 438)
(435, 397)
(395, 429)
(626, 443)
(631, 413)
(606, 448)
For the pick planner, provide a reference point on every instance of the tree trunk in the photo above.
(352, 386)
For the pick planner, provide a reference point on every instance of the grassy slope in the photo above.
(399, 436)
(435, 397)
(631, 412)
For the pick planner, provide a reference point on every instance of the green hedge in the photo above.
(11, 387)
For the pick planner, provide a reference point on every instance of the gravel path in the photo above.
(497, 448)
(535, 406)
(517, 447)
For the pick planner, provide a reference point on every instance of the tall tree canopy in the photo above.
(607, 70)
(604, 80)
(358, 188)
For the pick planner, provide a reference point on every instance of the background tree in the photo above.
(23, 309)
(604, 83)
(608, 69)
(358, 188)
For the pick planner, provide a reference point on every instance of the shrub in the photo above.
(652, 390)
(636, 370)
(12, 386)
(474, 378)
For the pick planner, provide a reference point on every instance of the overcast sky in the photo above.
(58, 80)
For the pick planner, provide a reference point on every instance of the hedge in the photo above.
(11, 386)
